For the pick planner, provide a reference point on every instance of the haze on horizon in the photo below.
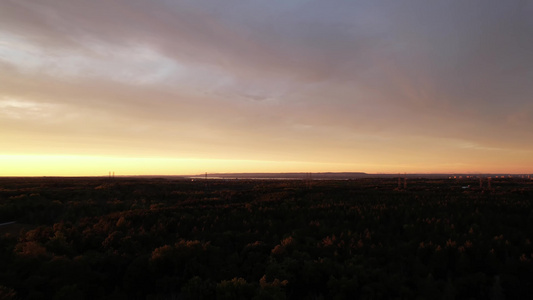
(184, 87)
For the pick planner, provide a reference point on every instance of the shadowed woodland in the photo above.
(134, 238)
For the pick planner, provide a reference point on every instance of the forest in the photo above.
(171, 238)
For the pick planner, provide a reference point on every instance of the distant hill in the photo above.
(302, 175)
(347, 176)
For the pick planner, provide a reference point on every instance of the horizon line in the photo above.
(275, 173)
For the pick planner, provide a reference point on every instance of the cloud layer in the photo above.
(399, 85)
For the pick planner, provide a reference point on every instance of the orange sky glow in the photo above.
(187, 87)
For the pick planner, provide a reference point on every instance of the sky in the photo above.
(185, 87)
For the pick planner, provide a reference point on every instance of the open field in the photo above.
(160, 238)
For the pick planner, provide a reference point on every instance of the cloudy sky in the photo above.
(185, 87)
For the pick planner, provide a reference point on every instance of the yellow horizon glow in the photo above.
(76, 165)
(72, 165)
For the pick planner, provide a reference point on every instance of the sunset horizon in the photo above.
(302, 149)
(81, 166)
(186, 87)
